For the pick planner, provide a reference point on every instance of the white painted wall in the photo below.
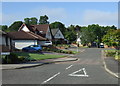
(48, 34)
(19, 44)
(59, 35)
(25, 29)
(3, 40)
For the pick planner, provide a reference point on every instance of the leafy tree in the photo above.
(33, 21)
(15, 26)
(4, 28)
(87, 36)
(27, 20)
(71, 36)
(112, 38)
(43, 19)
(59, 25)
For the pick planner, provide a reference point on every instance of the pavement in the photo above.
(36, 63)
(111, 65)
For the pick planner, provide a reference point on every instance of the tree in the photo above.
(33, 21)
(15, 26)
(27, 20)
(4, 28)
(71, 36)
(43, 19)
(87, 36)
(112, 38)
(59, 25)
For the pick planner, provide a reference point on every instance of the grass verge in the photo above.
(113, 53)
(37, 56)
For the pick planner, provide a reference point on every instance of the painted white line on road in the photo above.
(50, 78)
(83, 75)
(69, 67)
(82, 50)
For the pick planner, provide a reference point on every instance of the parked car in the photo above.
(101, 45)
(32, 48)
(46, 43)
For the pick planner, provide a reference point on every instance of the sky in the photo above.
(75, 13)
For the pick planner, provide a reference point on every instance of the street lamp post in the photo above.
(77, 42)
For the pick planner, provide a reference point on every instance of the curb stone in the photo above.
(40, 64)
(106, 68)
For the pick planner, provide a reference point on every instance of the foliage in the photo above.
(31, 21)
(112, 38)
(59, 25)
(11, 59)
(15, 26)
(94, 33)
(4, 28)
(71, 36)
(54, 49)
(87, 36)
(27, 20)
(43, 19)
(113, 53)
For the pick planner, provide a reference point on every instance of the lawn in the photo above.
(37, 56)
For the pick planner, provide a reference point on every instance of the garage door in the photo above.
(19, 44)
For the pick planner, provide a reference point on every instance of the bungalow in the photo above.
(5, 43)
(22, 39)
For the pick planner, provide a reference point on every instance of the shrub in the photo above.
(70, 52)
(21, 58)
(12, 58)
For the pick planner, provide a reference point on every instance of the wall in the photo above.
(25, 29)
(59, 35)
(48, 34)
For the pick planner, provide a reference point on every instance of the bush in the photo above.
(21, 58)
(12, 58)
(70, 52)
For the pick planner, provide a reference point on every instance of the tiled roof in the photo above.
(25, 35)
(41, 27)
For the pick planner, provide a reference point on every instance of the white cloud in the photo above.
(54, 14)
(100, 17)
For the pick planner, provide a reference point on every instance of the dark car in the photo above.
(32, 48)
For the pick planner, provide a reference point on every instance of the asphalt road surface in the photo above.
(87, 70)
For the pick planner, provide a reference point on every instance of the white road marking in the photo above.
(82, 50)
(69, 67)
(83, 75)
(50, 78)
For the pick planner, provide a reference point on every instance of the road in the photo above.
(88, 70)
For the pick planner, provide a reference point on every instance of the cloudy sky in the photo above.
(81, 13)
